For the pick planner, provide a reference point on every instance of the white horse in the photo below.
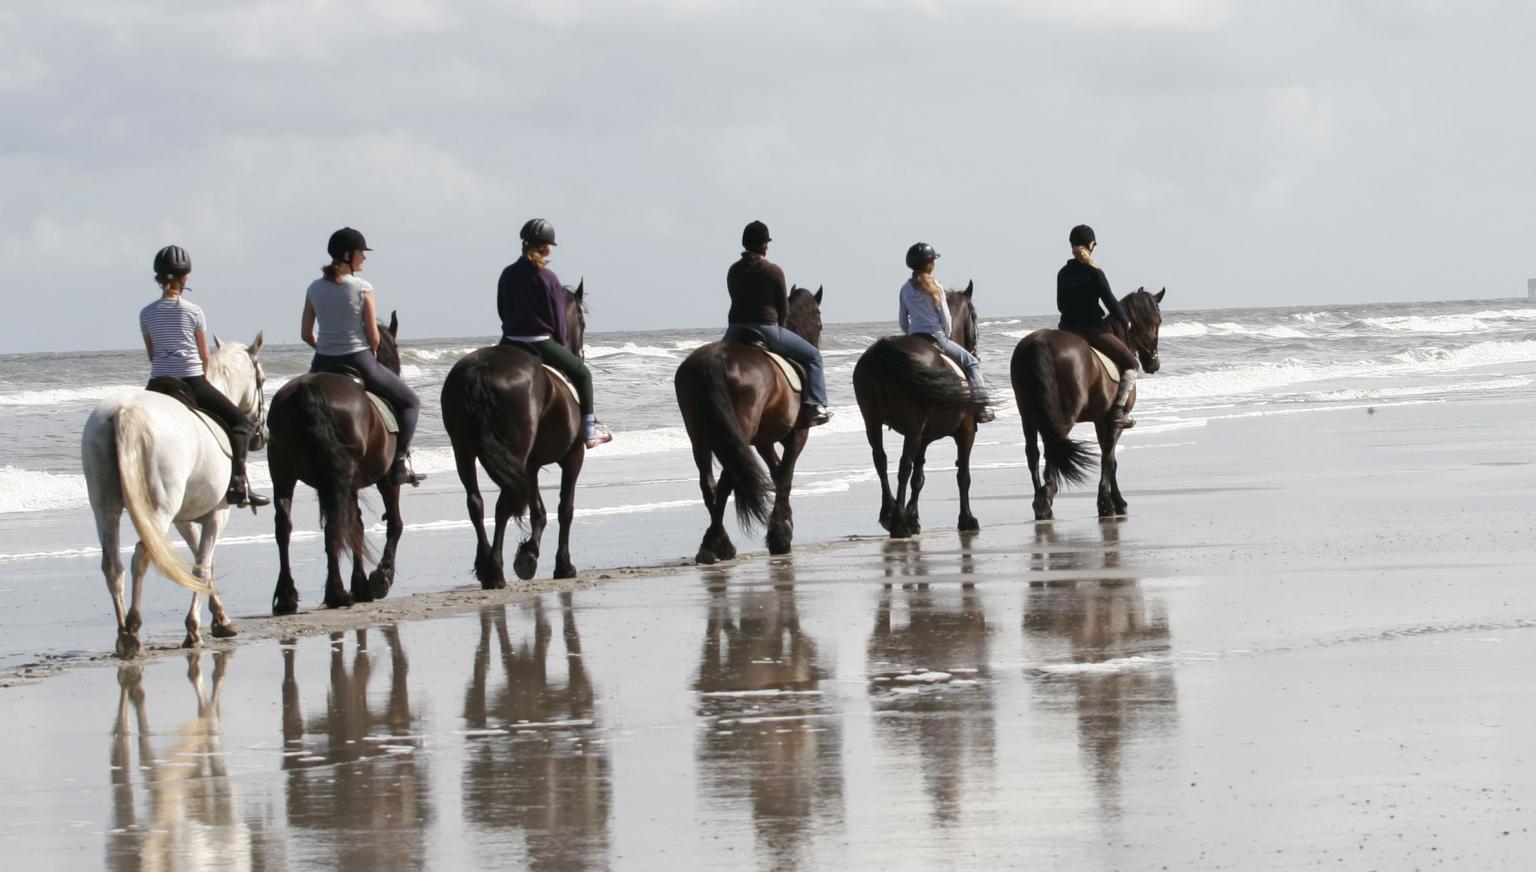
(150, 454)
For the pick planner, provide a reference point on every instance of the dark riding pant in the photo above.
(1104, 340)
(211, 400)
(379, 379)
(792, 345)
(570, 365)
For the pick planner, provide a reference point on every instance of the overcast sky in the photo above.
(1240, 153)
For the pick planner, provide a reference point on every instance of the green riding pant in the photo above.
(563, 359)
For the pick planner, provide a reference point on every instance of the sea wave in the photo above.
(1187, 329)
(57, 396)
(26, 490)
(1427, 324)
(671, 351)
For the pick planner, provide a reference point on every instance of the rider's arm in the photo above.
(780, 295)
(1107, 297)
(149, 346)
(555, 292)
(903, 317)
(370, 322)
(202, 347)
(307, 324)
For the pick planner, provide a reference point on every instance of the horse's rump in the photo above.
(910, 372)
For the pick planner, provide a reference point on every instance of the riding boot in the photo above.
(401, 473)
(240, 493)
(1117, 415)
(812, 415)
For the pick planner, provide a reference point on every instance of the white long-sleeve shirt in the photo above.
(919, 314)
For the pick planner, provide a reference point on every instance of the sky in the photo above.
(1239, 153)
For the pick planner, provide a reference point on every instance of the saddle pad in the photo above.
(390, 423)
(790, 372)
(220, 435)
(1109, 365)
(559, 377)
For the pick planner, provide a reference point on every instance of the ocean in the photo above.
(638, 499)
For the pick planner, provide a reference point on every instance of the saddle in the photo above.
(1108, 365)
(177, 389)
(794, 373)
(555, 375)
(953, 367)
(381, 405)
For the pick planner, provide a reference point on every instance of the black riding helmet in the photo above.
(345, 240)
(172, 260)
(537, 231)
(1082, 234)
(755, 235)
(920, 255)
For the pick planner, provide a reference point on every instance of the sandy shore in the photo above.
(1310, 643)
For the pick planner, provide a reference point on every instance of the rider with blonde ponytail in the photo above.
(176, 339)
(1080, 287)
(925, 310)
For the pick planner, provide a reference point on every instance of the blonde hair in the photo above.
(924, 281)
(1083, 255)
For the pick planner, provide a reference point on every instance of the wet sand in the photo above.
(1311, 644)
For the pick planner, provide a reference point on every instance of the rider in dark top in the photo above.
(1080, 288)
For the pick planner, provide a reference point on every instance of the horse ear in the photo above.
(819, 289)
(255, 348)
(581, 287)
(216, 343)
(1159, 295)
(394, 323)
(970, 287)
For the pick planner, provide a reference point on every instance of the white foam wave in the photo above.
(673, 351)
(1391, 393)
(1000, 322)
(1505, 315)
(25, 490)
(434, 355)
(56, 396)
(1187, 329)
(1428, 324)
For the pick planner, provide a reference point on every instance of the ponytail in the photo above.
(925, 282)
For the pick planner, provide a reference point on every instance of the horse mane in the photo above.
(1141, 307)
(804, 315)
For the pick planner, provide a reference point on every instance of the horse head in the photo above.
(804, 316)
(236, 369)
(389, 346)
(576, 317)
(1146, 317)
(962, 313)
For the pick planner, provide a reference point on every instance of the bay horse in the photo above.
(1057, 383)
(327, 434)
(905, 382)
(735, 400)
(151, 455)
(502, 408)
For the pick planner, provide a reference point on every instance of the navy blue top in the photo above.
(531, 301)
(1080, 289)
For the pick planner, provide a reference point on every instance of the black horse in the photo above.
(905, 383)
(504, 410)
(326, 433)
(1057, 383)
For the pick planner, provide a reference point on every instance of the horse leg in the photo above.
(527, 561)
(909, 449)
(128, 644)
(285, 598)
(383, 576)
(781, 524)
(1042, 502)
(336, 595)
(1110, 501)
(914, 526)
(716, 539)
(499, 538)
(964, 441)
(487, 572)
(358, 586)
(194, 619)
(108, 520)
(570, 469)
(875, 432)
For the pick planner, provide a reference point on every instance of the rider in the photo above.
(531, 302)
(759, 303)
(924, 310)
(343, 305)
(176, 338)
(1080, 288)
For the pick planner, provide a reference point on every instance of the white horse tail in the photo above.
(133, 458)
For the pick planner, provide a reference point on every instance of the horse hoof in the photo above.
(525, 566)
(705, 557)
(191, 642)
(565, 571)
(724, 550)
(380, 582)
(779, 544)
(128, 647)
(224, 631)
(969, 525)
(279, 609)
(340, 601)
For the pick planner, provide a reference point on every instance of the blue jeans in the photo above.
(968, 362)
(791, 345)
(380, 380)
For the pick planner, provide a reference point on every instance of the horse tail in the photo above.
(1034, 370)
(488, 412)
(934, 386)
(134, 434)
(334, 468)
(729, 444)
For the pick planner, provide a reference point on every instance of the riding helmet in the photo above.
(345, 240)
(755, 236)
(1082, 234)
(172, 260)
(920, 255)
(538, 232)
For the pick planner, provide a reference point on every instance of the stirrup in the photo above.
(812, 415)
(985, 415)
(401, 473)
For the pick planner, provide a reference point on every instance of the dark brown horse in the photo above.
(1058, 383)
(503, 409)
(903, 382)
(735, 400)
(327, 434)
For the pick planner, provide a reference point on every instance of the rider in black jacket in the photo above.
(1080, 288)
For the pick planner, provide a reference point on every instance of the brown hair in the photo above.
(534, 251)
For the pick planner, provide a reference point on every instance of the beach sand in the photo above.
(1311, 643)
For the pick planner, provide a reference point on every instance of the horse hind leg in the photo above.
(383, 576)
(919, 478)
(1111, 503)
(874, 431)
(570, 469)
(965, 440)
(488, 569)
(900, 529)
(527, 561)
(336, 595)
(1043, 499)
(781, 526)
(285, 597)
(108, 520)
